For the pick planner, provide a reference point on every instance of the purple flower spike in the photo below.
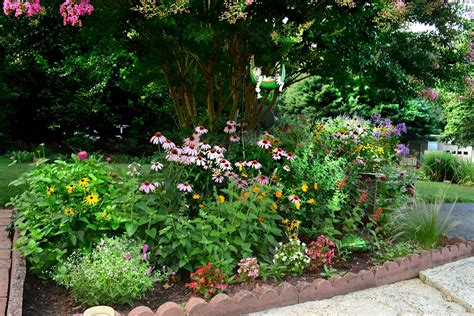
(402, 150)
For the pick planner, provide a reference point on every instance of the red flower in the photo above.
(261, 219)
(377, 214)
(342, 183)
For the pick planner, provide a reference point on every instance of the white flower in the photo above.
(155, 166)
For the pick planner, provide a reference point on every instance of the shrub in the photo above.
(423, 224)
(292, 256)
(117, 272)
(442, 166)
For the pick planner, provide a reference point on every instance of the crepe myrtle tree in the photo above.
(203, 49)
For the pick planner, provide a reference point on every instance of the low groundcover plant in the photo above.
(117, 271)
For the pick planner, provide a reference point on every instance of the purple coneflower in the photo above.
(294, 198)
(168, 145)
(155, 166)
(262, 179)
(205, 146)
(264, 143)
(147, 187)
(234, 138)
(254, 164)
(200, 130)
(190, 150)
(185, 187)
(224, 164)
(230, 129)
(217, 176)
(158, 138)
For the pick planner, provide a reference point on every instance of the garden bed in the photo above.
(45, 297)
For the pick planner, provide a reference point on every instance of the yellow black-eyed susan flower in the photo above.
(91, 199)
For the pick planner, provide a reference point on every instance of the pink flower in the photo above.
(213, 154)
(145, 248)
(200, 130)
(224, 164)
(168, 145)
(205, 146)
(241, 183)
(286, 168)
(108, 159)
(155, 166)
(234, 138)
(192, 140)
(127, 256)
(295, 199)
(231, 123)
(158, 138)
(174, 154)
(149, 271)
(217, 176)
(190, 150)
(229, 129)
(200, 161)
(82, 155)
(254, 164)
(147, 187)
(290, 156)
(264, 143)
(184, 187)
(262, 179)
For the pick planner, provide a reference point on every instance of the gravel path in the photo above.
(463, 215)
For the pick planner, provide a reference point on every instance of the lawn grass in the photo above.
(433, 191)
(7, 175)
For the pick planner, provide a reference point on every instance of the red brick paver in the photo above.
(5, 259)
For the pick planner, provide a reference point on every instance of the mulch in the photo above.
(42, 297)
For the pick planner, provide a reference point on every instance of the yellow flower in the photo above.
(284, 221)
(315, 185)
(105, 215)
(91, 199)
(304, 187)
(246, 195)
(311, 201)
(294, 236)
(244, 175)
(278, 194)
(201, 205)
(70, 188)
(49, 191)
(221, 198)
(240, 169)
(274, 206)
(68, 212)
(261, 196)
(84, 182)
(196, 196)
(256, 189)
(297, 205)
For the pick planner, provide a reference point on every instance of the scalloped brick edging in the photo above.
(286, 294)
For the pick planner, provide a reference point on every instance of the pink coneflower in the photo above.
(213, 154)
(224, 164)
(276, 157)
(168, 145)
(155, 166)
(230, 129)
(234, 138)
(286, 168)
(158, 184)
(174, 154)
(264, 143)
(191, 140)
(82, 155)
(158, 138)
(262, 179)
(200, 161)
(294, 198)
(268, 134)
(147, 187)
(190, 150)
(185, 187)
(290, 156)
(200, 130)
(186, 160)
(241, 183)
(231, 123)
(217, 176)
(207, 166)
(205, 146)
(231, 175)
(108, 159)
(254, 164)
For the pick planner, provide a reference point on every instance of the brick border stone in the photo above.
(5, 259)
(17, 280)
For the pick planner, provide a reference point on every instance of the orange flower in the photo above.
(278, 194)
(274, 206)
(246, 194)
(261, 219)
(315, 186)
(256, 189)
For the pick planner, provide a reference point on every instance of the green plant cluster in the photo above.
(116, 272)
(442, 166)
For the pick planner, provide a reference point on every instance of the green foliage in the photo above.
(422, 224)
(442, 166)
(20, 156)
(225, 230)
(68, 206)
(115, 273)
(389, 251)
(292, 256)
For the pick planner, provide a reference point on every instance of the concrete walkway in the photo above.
(5, 259)
(456, 281)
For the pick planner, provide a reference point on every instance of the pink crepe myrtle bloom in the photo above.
(82, 155)
(147, 187)
(185, 187)
(158, 138)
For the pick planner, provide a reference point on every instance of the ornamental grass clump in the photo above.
(117, 272)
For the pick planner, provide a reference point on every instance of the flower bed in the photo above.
(216, 210)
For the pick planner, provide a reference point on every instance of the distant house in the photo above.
(466, 153)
